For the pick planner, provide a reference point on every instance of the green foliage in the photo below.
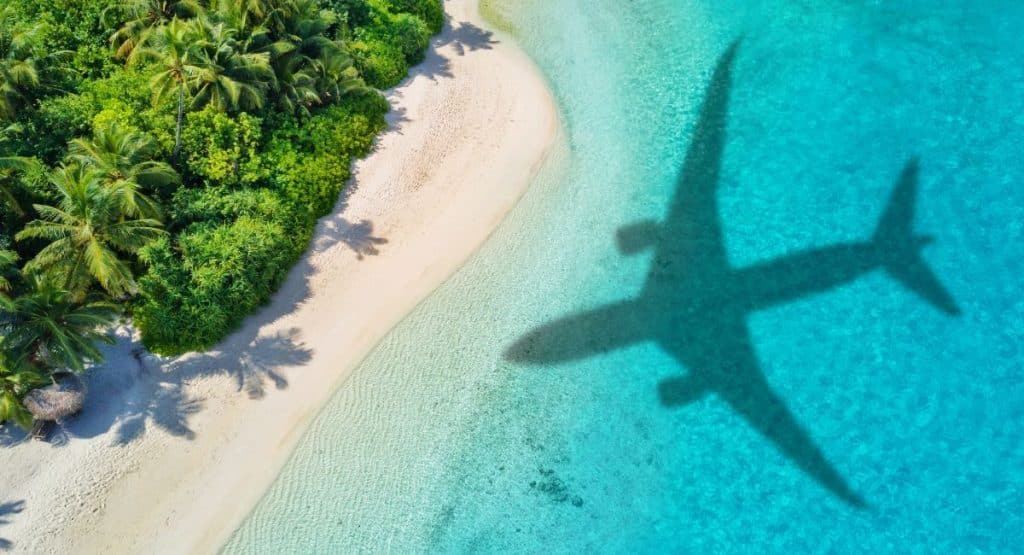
(42, 331)
(20, 179)
(220, 269)
(58, 120)
(229, 77)
(311, 162)
(236, 122)
(92, 61)
(430, 11)
(68, 24)
(125, 162)
(355, 13)
(17, 379)
(87, 231)
(19, 65)
(223, 149)
(237, 246)
(49, 328)
(411, 35)
(121, 98)
(381, 63)
(7, 270)
(396, 37)
(307, 179)
(141, 17)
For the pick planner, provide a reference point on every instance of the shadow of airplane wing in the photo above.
(722, 361)
(766, 412)
(692, 230)
(581, 335)
(742, 385)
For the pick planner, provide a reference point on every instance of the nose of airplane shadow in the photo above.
(530, 348)
(550, 344)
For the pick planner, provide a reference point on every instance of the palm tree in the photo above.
(306, 24)
(8, 166)
(124, 161)
(297, 85)
(228, 78)
(18, 71)
(7, 197)
(16, 379)
(87, 230)
(247, 14)
(7, 260)
(336, 76)
(174, 48)
(47, 328)
(312, 69)
(141, 17)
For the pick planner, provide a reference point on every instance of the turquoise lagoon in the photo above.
(445, 441)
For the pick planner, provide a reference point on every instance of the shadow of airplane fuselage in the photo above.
(695, 305)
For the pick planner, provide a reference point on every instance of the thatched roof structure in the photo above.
(57, 401)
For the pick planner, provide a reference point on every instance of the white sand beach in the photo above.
(170, 455)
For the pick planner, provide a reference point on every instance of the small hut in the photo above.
(56, 402)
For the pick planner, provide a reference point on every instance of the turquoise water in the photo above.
(466, 431)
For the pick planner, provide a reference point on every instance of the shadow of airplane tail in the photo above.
(895, 237)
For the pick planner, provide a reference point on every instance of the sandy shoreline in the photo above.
(171, 455)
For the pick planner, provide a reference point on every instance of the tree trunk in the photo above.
(181, 115)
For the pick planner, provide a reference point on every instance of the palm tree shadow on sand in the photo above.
(130, 397)
(695, 305)
(7, 509)
(255, 361)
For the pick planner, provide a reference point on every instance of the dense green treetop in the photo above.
(168, 159)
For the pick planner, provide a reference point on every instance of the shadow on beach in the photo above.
(134, 390)
(130, 393)
(466, 37)
(463, 37)
(7, 509)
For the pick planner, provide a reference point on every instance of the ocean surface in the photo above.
(775, 362)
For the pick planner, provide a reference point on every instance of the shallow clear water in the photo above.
(448, 438)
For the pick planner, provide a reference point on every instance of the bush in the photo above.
(127, 86)
(125, 97)
(396, 36)
(222, 149)
(210, 204)
(309, 181)
(311, 163)
(236, 247)
(410, 34)
(355, 12)
(58, 120)
(122, 97)
(430, 11)
(350, 126)
(200, 286)
(93, 61)
(381, 64)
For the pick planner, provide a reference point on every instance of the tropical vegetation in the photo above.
(166, 161)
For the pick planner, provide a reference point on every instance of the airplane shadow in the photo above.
(695, 305)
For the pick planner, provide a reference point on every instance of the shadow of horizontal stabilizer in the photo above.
(895, 236)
